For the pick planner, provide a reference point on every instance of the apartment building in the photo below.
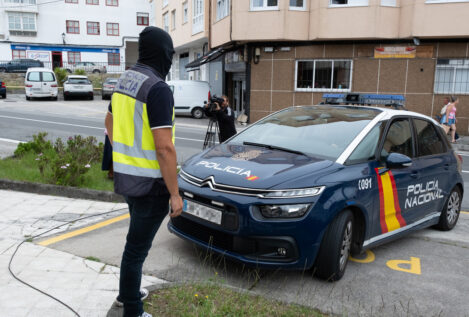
(64, 32)
(280, 53)
(188, 21)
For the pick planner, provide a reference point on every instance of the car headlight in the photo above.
(294, 193)
(284, 211)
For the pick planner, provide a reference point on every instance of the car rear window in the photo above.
(320, 131)
(46, 76)
(34, 76)
(81, 81)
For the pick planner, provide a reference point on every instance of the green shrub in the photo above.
(39, 144)
(61, 74)
(79, 71)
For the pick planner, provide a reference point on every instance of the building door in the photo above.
(56, 59)
(239, 92)
(183, 61)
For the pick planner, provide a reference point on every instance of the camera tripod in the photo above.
(213, 133)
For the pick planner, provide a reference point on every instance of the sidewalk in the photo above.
(88, 287)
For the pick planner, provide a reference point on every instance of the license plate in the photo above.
(36, 89)
(78, 87)
(203, 212)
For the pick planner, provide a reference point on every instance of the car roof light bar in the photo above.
(395, 101)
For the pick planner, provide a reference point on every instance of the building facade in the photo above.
(60, 33)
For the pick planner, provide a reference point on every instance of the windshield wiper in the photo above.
(274, 147)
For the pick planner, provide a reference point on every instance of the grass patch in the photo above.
(92, 258)
(26, 169)
(215, 300)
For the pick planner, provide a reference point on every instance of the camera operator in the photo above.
(225, 117)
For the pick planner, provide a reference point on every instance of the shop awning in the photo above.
(207, 58)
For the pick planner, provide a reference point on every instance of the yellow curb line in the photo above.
(78, 232)
(465, 212)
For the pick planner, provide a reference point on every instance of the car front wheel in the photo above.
(197, 113)
(3, 70)
(450, 213)
(334, 252)
(96, 71)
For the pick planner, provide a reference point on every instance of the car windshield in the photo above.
(111, 81)
(82, 81)
(320, 131)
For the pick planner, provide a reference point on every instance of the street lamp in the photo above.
(63, 37)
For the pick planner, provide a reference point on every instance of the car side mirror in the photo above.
(397, 160)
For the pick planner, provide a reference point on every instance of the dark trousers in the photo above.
(146, 215)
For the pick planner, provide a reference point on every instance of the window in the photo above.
(173, 19)
(388, 3)
(444, 1)
(34, 76)
(323, 75)
(18, 21)
(18, 54)
(264, 5)
(166, 22)
(22, 1)
(73, 27)
(112, 3)
(350, 3)
(398, 139)
(165, 3)
(48, 76)
(112, 29)
(185, 13)
(71, 1)
(366, 150)
(297, 4)
(429, 142)
(92, 28)
(93, 2)
(74, 57)
(452, 76)
(142, 18)
(197, 16)
(114, 59)
(223, 9)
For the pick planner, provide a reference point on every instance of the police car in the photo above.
(308, 186)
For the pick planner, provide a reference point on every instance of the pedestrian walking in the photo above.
(106, 164)
(449, 119)
(140, 124)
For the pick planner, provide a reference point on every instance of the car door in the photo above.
(393, 183)
(48, 81)
(433, 164)
(34, 82)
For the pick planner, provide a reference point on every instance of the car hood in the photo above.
(256, 167)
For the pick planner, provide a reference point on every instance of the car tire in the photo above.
(69, 71)
(3, 70)
(4, 96)
(28, 98)
(197, 113)
(451, 210)
(55, 98)
(65, 97)
(92, 97)
(96, 71)
(334, 251)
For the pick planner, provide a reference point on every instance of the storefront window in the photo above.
(452, 76)
(323, 75)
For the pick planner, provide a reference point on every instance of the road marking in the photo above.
(11, 141)
(81, 231)
(413, 266)
(52, 122)
(465, 171)
(465, 212)
(370, 257)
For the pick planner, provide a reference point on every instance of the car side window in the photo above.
(398, 139)
(34, 76)
(48, 76)
(428, 140)
(366, 150)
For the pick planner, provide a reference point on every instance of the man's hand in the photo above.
(176, 206)
(218, 106)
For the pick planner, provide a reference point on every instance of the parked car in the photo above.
(88, 67)
(78, 86)
(108, 87)
(19, 65)
(308, 186)
(40, 82)
(190, 96)
(3, 89)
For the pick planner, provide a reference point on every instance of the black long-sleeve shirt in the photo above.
(226, 123)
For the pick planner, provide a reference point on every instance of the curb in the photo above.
(64, 191)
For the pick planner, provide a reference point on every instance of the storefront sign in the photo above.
(395, 52)
(64, 48)
(38, 55)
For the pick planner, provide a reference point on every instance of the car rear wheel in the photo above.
(69, 71)
(4, 96)
(28, 98)
(450, 213)
(54, 98)
(3, 70)
(334, 252)
(91, 97)
(197, 113)
(96, 71)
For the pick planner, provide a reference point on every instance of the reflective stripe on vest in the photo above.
(133, 145)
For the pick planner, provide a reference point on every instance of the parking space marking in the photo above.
(414, 265)
(370, 257)
(81, 231)
(465, 212)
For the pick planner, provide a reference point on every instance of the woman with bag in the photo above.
(449, 119)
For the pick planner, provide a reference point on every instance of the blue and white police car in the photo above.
(308, 186)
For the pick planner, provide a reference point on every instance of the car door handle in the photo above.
(414, 174)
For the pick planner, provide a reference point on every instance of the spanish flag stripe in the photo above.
(399, 217)
(389, 207)
(384, 228)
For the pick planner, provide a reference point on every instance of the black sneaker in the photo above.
(143, 295)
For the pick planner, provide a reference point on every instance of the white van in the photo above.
(190, 96)
(40, 82)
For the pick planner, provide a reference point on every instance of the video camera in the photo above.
(212, 107)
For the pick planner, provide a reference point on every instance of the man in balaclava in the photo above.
(140, 124)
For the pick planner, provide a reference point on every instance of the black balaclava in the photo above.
(155, 49)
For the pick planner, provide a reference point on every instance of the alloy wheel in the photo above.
(453, 207)
(346, 243)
